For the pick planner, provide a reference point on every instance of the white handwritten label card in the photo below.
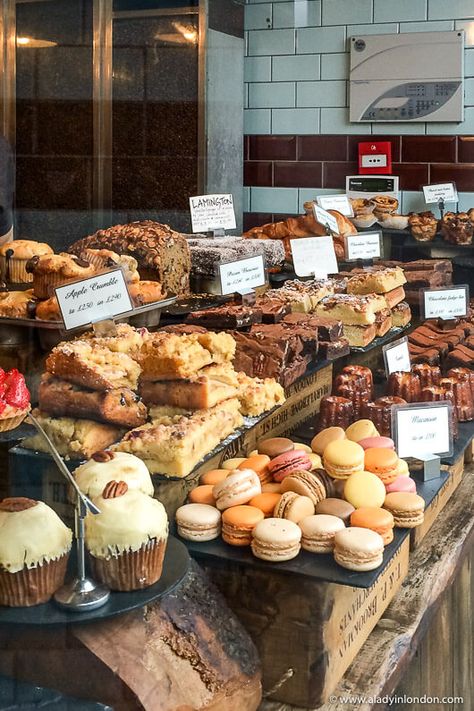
(314, 256)
(212, 212)
(446, 303)
(325, 218)
(422, 429)
(445, 192)
(364, 245)
(242, 275)
(397, 356)
(336, 202)
(96, 298)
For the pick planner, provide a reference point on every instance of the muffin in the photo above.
(34, 550)
(362, 206)
(50, 271)
(106, 466)
(423, 226)
(48, 310)
(107, 259)
(17, 304)
(14, 399)
(145, 292)
(14, 257)
(127, 540)
(384, 204)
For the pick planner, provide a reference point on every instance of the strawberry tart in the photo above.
(14, 399)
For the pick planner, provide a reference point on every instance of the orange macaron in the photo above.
(266, 502)
(214, 476)
(376, 519)
(382, 462)
(202, 495)
(259, 464)
(238, 523)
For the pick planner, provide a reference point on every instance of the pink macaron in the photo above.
(377, 443)
(288, 463)
(403, 484)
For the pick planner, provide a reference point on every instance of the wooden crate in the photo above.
(307, 631)
(455, 471)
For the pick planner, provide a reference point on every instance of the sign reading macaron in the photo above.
(423, 429)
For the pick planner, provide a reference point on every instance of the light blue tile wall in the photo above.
(301, 46)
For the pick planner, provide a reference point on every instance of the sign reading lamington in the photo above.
(212, 212)
(95, 299)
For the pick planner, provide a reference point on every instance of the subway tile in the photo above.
(436, 26)
(466, 201)
(337, 121)
(468, 27)
(274, 200)
(300, 13)
(322, 148)
(269, 42)
(258, 17)
(334, 174)
(295, 121)
(255, 219)
(353, 145)
(292, 68)
(323, 39)
(402, 10)
(463, 175)
(272, 147)
(387, 28)
(341, 12)
(465, 127)
(412, 201)
(320, 93)
(258, 173)
(298, 174)
(257, 69)
(469, 92)
(335, 66)
(466, 149)
(455, 9)
(307, 194)
(429, 149)
(412, 175)
(271, 95)
(246, 96)
(257, 121)
(246, 199)
(469, 62)
(418, 128)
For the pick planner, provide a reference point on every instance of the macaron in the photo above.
(238, 524)
(378, 520)
(318, 532)
(402, 469)
(266, 502)
(335, 507)
(232, 464)
(253, 453)
(383, 463)
(202, 495)
(316, 461)
(364, 489)
(407, 509)
(214, 476)
(358, 549)
(198, 522)
(377, 443)
(341, 458)
(237, 489)
(361, 429)
(302, 447)
(272, 488)
(275, 446)
(293, 507)
(276, 540)
(259, 464)
(308, 484)
(287, 463)
(403, 484)
(323, 438)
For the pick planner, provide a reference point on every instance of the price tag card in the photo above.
(397, 356)
(325, 218)
(94, 299)
(421, 429)
(212, 212)
(446, 303)
(242, 275)
(336, 202)
(314, 256)
(364, 245)
(441, 191)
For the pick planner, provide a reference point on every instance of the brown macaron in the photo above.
(293, 507)
(275, 446)
(336, 507)
(305, 483)
(323, 438)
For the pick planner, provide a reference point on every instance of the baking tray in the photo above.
(175, 567)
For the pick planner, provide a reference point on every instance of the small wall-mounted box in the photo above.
(375, 158)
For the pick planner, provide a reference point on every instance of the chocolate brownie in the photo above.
(330, 350)
(263, 356)
(329, 329)
(305, 335)
(226, 316)
(273, 311)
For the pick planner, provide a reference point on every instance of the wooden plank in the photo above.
(439, 502)
(462, 622)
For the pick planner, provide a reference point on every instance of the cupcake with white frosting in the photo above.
(127, 539)
(106, 466)
(34, 550)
